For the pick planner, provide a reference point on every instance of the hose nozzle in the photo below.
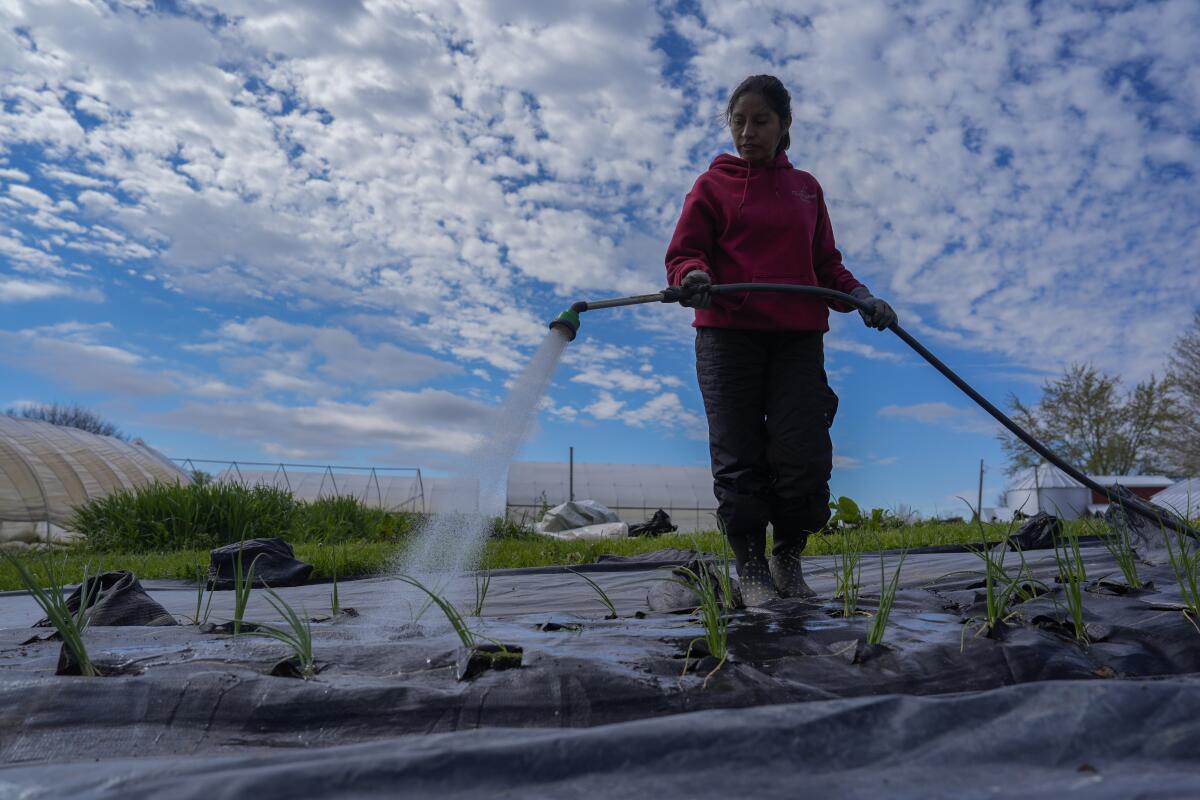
(567, 322)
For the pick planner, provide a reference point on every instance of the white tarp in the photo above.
(575, 514)
(581, 519)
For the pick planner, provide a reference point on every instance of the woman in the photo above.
(759, 356)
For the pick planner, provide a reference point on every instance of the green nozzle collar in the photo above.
(569, 322)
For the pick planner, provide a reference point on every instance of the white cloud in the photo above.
(944, 415)
(17, 290)
(436, 174)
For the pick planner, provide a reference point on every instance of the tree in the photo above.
(68, 416)
(1181, 441)
(1084, 417)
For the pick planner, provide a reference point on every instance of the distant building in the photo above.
(1049, 489)
(1183, 498)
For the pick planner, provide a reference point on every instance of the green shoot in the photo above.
(335, 607)
(465, 634)
(1117, 543)
(712, 614)
(848, 572)
(887, 597)
(70, 625)
(297, 635)
(603, 595)
(242, 584)
(202, 608)
(481, 591)
(1186, 567)
(1072, 574)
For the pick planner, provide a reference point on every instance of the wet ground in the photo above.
(202, 706)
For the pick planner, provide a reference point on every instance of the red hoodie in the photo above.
(744, 224)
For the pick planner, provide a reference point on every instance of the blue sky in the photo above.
(332, 232)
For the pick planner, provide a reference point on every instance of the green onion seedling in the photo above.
(848, 572)
(887, 597)
(603, 595)
(70, 625)
(1072, 574)
(1116, 541)
(335, 606)
(297, 636)
(1186, 567)
(481, 591)
(242, 584)
(465, 634)
(202, 607)
(712, 615)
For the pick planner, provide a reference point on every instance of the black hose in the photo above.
(677, 294)
(1134, 503)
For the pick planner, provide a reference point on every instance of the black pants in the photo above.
(769, 409)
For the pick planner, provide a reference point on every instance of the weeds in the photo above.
(70, 625)
(848, 572)
(603, 595)
(297, 636)
(465, 634)
(1072, 574)
(887, 597)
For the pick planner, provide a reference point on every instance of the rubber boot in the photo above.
(754, 577)
(788, 574)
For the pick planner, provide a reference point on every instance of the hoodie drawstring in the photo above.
(745, 188)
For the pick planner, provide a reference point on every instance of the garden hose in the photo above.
(568, 322)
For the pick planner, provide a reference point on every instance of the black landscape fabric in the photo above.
(116, 598)
(274, 563)
(946, 704)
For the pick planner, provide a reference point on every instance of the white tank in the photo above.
(1049, 489)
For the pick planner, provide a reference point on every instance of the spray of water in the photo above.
(451, 541)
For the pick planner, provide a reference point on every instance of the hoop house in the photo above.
(46, 470)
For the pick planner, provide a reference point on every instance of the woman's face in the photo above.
(756, 129)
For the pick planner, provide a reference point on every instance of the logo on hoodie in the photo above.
(804, 195)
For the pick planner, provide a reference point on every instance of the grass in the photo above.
(70, 626)
(197, 516)
(887, 598)
(297, 635)
(373, 555)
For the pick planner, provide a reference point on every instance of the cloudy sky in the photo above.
(333, 231)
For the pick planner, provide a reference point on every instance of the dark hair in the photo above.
(772, 90)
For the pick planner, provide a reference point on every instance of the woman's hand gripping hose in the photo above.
(875, 313)
(694, 289)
